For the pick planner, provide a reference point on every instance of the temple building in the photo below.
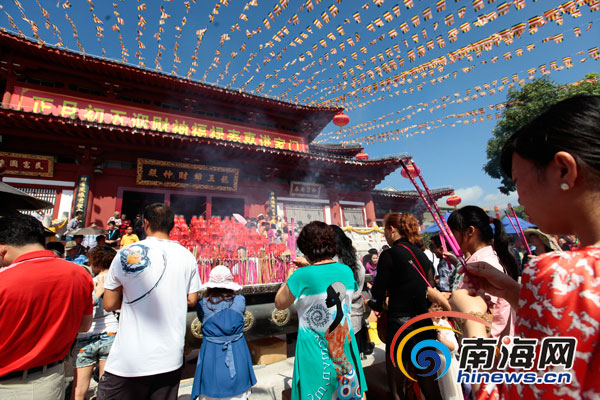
(98, 136)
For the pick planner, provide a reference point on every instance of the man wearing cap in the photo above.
(153, 282)
(71, 249)
(45, 301)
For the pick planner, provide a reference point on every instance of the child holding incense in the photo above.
(224, 369)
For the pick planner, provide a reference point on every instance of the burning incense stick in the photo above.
(451, 237)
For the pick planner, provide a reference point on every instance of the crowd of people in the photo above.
(129, 319)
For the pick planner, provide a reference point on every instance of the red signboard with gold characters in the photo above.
(28, 164)
(60, 105)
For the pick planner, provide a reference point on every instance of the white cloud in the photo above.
(475, 195)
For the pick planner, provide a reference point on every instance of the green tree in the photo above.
(522, 106)
(520, 210)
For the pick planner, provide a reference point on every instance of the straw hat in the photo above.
(220, 277)
(543, 237)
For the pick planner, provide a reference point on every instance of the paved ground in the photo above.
(271, 379)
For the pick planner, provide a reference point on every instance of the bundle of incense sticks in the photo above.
(432, 207)
(519, 232)
(255, 270)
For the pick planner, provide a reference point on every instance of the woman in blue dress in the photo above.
(224, 369)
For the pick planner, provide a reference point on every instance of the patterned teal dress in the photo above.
(327, 363)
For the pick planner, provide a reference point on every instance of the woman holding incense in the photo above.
(404, 274)
(327, 363)
(476, 239)
(554, 161)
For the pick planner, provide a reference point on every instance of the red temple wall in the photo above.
(106, 192)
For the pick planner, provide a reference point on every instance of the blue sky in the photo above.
(447, 156)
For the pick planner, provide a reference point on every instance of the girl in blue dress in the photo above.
(224, 369)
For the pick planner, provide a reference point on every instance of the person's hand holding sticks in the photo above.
(483, 279)
(301, 262)
(437, 297)
(289, 273)
(451, 258)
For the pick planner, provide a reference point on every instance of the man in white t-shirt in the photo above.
(153, 282)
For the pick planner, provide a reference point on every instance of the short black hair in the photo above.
(160, 217)
(435, 239)
(56, 246)
(111, 223)
(20, 230)
(78, 212)
(317, 241)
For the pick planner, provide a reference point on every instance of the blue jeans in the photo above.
(92, 349)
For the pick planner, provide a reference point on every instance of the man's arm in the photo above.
(86, 323)
(113, 298)
(192, 299)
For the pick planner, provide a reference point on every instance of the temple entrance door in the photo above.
(226, 206)
(188, 206)
(135, 202)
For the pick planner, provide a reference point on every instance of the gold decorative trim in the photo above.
(197, 167)
(48, 174)
(316, 195)
(249, 320)
(281, 317)
(196, 328)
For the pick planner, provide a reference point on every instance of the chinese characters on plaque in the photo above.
(303, 189)
(28, 164)
(82, 192)
(272, 205)
(183, 175)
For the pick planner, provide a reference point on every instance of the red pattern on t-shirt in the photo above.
(560, 296)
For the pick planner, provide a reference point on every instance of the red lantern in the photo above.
(414, 171)
(341, 119)
(453, 201)
(362, 156)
